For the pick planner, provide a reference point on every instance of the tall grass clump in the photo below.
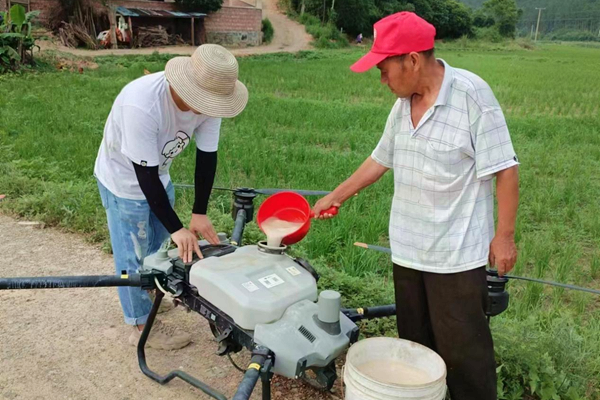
(327, 36)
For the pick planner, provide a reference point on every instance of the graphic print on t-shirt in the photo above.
(174, 147)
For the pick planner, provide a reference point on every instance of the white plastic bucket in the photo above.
(383, 349)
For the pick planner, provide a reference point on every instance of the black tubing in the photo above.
(63, 282)
(251, 376)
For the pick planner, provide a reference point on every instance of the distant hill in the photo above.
(559, 14)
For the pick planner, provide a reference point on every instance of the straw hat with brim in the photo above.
(207, 81)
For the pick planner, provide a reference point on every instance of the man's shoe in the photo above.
(165, 305)
(162, 337)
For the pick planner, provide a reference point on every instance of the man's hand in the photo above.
(201, 225)
(325, 203)
(187, 244)
(503, 253)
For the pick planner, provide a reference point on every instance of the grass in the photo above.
(309, 123)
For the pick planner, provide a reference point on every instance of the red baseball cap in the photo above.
(394, 35)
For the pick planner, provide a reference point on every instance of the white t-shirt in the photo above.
(146, 127)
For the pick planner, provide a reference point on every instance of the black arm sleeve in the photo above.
(206, 168)
(157, 197)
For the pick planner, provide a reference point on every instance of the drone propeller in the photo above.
(550, 283)
(262, 191)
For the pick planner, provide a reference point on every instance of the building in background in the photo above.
(237, 23)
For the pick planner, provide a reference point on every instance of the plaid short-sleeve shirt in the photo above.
(442, 216)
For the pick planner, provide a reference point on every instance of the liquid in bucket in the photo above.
(276, 229)
(383, 368)
(394, 372)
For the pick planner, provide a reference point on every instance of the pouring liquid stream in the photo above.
(276, 229)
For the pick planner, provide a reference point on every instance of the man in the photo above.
(445, 140)
(152, 120)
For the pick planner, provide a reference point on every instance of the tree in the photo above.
(313, 7)
(388, 7)
(356, 16)
(450, 18)
(205, 6)
(505, 14)
(482, 20)
(461, 22)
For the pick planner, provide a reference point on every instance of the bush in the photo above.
(572, 36)
(541, 358)
(482, 20)
(267, 30)
(308, 19)
(327, 36)
(505, 14)
(490, 34)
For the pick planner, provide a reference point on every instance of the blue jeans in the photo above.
(135, 232)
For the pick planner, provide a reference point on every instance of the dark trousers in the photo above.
(446, 312)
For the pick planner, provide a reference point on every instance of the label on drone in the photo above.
(250, 286)
(293, 271)
(270, 281)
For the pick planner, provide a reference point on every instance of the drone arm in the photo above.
(246, 387)
(145, 281)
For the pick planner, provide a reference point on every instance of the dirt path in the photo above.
(71, 344)
(289, 37)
